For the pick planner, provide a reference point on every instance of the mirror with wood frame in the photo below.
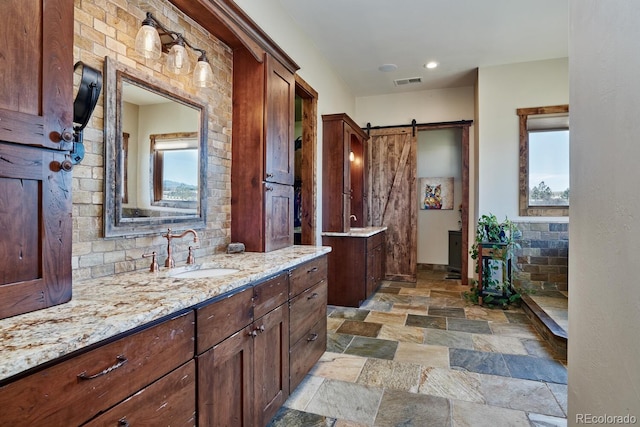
(155, 154)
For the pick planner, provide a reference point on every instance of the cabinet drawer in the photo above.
(375, 240)
(170, 401)
(306, 309)
(306, 352)
(270, 294)
(308, 274)
(223, 318)
(73, 391)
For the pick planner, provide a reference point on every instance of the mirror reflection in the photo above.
(152, 155)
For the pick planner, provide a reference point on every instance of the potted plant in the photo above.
(497, 240)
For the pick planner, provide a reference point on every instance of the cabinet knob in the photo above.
(313, 295)
(312, 337)
(269, 175)
(268, 188)
(66, 135)
(122, 422)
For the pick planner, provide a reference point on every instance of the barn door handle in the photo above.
(121, 361)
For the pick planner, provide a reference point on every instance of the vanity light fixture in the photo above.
(153, 38)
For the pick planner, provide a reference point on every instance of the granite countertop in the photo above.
(356, 232)
(102, 308)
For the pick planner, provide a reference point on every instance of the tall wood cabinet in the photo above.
(344, 195)
(36, 113)
(262, 152)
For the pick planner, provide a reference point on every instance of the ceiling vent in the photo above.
(409, 81)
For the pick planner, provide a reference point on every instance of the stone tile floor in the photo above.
(416, 354)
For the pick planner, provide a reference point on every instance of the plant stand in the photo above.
(488, 251)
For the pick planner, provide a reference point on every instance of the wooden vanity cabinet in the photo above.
(262, 152)
(76, 390)
(308, 318)
(356, 267)
(36, 111)
(244, 379)
(344, 195)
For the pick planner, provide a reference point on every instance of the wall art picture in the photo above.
(436, 193)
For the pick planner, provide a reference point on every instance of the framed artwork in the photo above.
(435, 193)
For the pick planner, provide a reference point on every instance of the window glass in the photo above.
(549, 168)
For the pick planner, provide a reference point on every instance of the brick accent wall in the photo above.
(108, 28)
(542, 260)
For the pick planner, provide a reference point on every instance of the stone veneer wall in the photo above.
(108, 28)
(542, 260)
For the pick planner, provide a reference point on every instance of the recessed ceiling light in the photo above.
(385, 68)
(431, 65)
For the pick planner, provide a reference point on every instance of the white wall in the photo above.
(438, 155)
(604, 309)
(502, 90)
(333, 94)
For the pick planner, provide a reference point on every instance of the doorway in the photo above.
(306, 136)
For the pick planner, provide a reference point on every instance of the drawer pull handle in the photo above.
(312, 337)
(121, 361)
(122, 422)
(313, 295)
(313, 270)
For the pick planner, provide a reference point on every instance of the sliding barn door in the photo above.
(393, 198)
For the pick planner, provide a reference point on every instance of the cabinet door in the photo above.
(36, 223)
(279, 123)
(278, 216)
(225, 375)
(271, 363)
(36, 87)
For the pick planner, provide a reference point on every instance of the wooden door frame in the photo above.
(309, 159)
(464, 214)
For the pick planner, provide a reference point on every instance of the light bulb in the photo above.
(148, 42)
(203, 74)
(178, 60)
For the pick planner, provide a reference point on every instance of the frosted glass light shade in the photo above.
(178, 60)
(148, 42)
(203, 74)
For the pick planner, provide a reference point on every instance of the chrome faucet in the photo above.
(170, 263)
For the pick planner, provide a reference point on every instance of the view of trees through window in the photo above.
(549, 168)
(180, 175)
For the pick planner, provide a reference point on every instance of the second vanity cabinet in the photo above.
(356, 266)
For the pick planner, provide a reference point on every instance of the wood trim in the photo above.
(228, 22)
(309, 159)
(523, 179)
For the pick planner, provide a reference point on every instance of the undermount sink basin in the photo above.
(202, 273)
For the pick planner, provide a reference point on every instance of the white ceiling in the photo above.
(357, 36)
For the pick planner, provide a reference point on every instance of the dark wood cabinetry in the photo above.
(36, 109)
(252, 346)
(344, 195)
(308, 318)
(356, 267)
(262, 152)
(74, 391)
